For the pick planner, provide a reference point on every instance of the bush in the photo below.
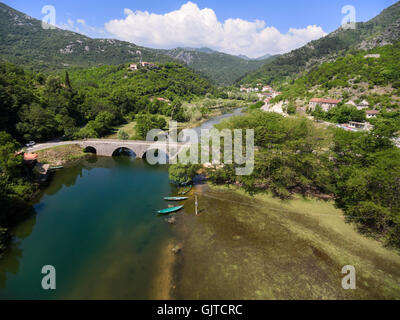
(183, 174)
(122, 135)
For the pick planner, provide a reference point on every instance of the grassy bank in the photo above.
(130, 128)
(244, 247)
(61, 155)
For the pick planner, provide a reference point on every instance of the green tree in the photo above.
(182, 174)
(122, 135)
(147, 122)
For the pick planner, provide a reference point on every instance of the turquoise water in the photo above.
(96, 224)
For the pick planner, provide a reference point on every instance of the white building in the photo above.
(363, 105)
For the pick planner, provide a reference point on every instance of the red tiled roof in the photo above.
(372, 112)
(321, 100)
(30, 156)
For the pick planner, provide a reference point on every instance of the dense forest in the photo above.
(88, 102)
(15, 187)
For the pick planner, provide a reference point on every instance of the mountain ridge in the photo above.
(26, 43)
(381, 30)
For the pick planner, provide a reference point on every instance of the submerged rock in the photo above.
(171, 220)
(176, 249)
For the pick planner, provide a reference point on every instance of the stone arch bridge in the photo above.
(107, 147)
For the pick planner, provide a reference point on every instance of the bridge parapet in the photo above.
(108, 147)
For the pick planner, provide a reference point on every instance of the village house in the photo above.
(376, 56)
(267, 100)
(363, 105)
(325, 104)
(248, 90)
(148, 65)
(275, 94)
(133, 67)
(351, 103)
(360, 125)
(163, 100)
(372, 114)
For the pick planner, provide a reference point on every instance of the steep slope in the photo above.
(372, 75)
(219, 67)
(383, 29)
(24, 41)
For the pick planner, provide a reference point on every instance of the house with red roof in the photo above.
(325, 104)
(372, 113)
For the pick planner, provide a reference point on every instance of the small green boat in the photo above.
(170, 210)
(175, 198)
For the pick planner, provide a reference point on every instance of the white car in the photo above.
(30, 144)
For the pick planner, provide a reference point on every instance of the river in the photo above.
(97, 225)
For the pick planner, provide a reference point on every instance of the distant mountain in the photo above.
(23, 41)
(265, 57)
(242, 56)
(205, 50)
(383, 29)
(219, 67)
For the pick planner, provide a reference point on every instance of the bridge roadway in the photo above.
(106, 147)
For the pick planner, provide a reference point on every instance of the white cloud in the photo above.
(81, 21)
(191, 26)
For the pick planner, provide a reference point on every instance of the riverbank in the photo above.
(244, 247)
(62, 155)
(198, 123)
(130, 128)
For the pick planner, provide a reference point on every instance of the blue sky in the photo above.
(309, 19)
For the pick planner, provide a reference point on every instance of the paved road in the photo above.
(47, 145)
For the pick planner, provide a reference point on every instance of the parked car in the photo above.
(30, 144)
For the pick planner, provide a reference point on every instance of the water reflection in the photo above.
(96, 220)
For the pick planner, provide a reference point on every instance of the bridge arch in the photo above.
(90, 149)
(123, 151)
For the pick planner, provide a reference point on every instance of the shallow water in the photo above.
(96, 224)
(240, 247)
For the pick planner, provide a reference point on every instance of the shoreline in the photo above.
(163, 284)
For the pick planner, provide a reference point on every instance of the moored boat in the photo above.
(175, 198)
(170, 210)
